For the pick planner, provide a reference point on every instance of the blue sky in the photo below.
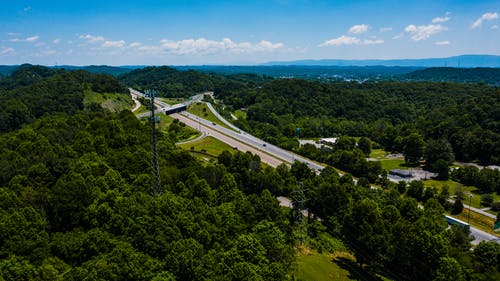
(242, 32)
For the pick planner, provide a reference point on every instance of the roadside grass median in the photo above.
(201, 109)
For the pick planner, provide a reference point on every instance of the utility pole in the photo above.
(156, 189)
(298, 200)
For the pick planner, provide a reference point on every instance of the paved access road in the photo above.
(269, 154)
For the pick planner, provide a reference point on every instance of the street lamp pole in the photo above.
(470, 202)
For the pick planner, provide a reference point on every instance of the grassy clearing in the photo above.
(240, 114)
(452, 185)
(173, 101)
(476, 196)
(112, 101)
(201, 109)
(315, 266)
(386, 162)
(391, 164)
(312, 266)
(208, 145)
(378, 153)
(165, 121)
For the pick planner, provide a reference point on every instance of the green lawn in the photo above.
(240, 114)
(111, 101)
(315, 266)
(391, 164)
(378, 153)
(201, 109)
(165, 121)
(173, 101)
(452, 185)
(210, 145)
(387, 163)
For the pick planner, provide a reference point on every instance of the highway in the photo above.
(209, 131)
(269, 154)
(255, 142)
(236, 138)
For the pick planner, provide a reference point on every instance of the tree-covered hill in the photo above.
(99, 69)
(33, 91)
(76, 203)
(75, 193)
(168, 81)
(465, 115)
(171, 82)
(489, 76)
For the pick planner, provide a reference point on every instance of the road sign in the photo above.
(496, 226)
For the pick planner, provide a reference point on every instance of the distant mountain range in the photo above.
(6, 70)
(456, 61)
(473, 69)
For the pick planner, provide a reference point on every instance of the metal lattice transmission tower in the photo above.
(298, 199)
(156, 188)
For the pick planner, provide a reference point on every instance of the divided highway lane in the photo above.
(248, 139)
(193, 123)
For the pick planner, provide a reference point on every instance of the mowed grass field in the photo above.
(210, 145)
(201, 109)
(387, 163)
(313, 266)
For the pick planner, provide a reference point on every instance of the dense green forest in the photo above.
(489, 76)
(34, 91)
(463, 116)
(168, 81)
(76, 203)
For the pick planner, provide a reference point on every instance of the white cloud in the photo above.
(423, 32)
(14, 34)
(400, 35)
(32, 38)
(28, 39)
(484, 17)
(91, 38)
(206, 46)
(385, 29)
(27, 9)
(441, 43)
(347, 40)
(342, 40)
(134, 45)
(494, 27)
(440, 19)
(373, 42)
(114, 44)
(358, 29)
(6, 51)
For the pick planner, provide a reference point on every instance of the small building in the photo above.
(328, 141)
(401, 173)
